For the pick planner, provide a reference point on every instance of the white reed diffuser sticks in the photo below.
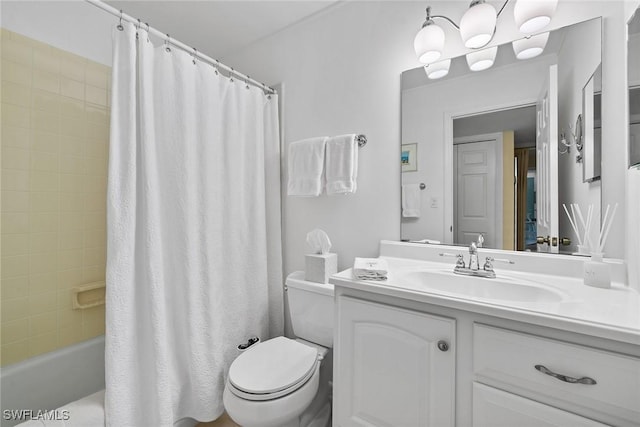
(582, 227)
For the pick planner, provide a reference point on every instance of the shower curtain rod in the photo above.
(191, 50)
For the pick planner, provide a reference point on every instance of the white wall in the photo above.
(74, 26)
(423, 121)
(576, 65)
(342, 74)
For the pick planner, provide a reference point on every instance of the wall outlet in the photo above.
(434, 202)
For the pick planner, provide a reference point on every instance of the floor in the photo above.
(223, 421)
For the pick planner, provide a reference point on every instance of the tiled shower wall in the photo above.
(55, 133)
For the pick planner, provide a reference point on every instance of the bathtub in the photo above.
(53, 379)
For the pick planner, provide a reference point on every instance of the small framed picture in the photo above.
(408, 157)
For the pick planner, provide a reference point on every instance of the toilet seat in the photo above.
(272, 369)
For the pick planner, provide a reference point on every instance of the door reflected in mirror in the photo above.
(634, 88)
(500, 150)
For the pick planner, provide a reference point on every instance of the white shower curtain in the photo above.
(194, 244)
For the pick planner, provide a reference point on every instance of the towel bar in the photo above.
(93, 295)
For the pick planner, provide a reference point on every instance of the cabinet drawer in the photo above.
(508, 360)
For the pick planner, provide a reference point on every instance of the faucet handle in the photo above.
(459, 258)
(480, 240)
(488, 262)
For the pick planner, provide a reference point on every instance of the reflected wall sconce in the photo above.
(478, 26)
(437, 70)
(575, 139)
(482, 59)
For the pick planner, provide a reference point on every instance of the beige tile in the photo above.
(94, 256)
(72, 164)
(72, 89)
(44, 161)
(15, 352)
(43, 242)
(16, 287)
(42, 222)
(223, 421)
(15, 266)
(71, 202)
(43, 263)
(97, 131)
(95, 202)
(15, 158)
(15, 180)
(16, 94)
(44, 201)
(93, 238)
(93, 321)
(15, 223)
(67, 279)
(69, 335)
(70, 259)
(95, 95)
(96, 113)
(45, 122)
(13, 136)
(42, 283)
(42, 320)
(73, 146)
(27, 41)
(17, 73)
(15, 201)
(14, 309)
(72, 107)
(93, 274)
(44, 181)
(43, 343)
(15, 51)
(15, 115)
(72, 66)
(15, 331)
(95, 184)
(67, 316)
(46, 101)
(95, 220)
(96, 74)
(98, 149)
(71, 240)
(46, 59)
(72, 183)
(46, 80)
(46, 141)
(15, 244)
(73, 126)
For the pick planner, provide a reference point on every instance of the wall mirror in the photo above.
(496, 149)
(633, 48)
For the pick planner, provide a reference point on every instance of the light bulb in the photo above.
(478, 25)
(533, 15)
(530, 47)
(482, 59)
(429, 43)
(437, 70)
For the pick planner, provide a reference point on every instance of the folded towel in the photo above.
(411, 201)
(341, 164)
(370, 269)
(306, 165)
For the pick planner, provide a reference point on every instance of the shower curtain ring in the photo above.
(231, 75)
(167, 47)
(148, 31)
(120, 27)
(138, 28)
(215, 69)
(246, 82)
(195, 53)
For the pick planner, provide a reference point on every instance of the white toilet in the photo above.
(273, 382)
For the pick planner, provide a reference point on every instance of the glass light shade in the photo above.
(429, 43)
(438, 69)
(478, 25)
(533, 15)
(530, 47)
(482, 59)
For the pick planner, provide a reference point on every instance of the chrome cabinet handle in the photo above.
(566, 379)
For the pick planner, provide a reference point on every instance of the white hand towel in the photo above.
(342, 164)
(306, 165)
(411, 201)
(370, 269)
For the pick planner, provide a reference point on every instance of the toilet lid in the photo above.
(272, 366)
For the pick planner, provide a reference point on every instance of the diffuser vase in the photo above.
(597, 273)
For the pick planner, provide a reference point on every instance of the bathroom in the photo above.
(338, 68)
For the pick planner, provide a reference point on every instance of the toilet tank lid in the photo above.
(296, 280)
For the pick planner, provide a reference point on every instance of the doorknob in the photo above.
(443, 345)
(542, 240)
(565, 241)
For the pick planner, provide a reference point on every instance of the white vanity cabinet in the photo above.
(393, 367)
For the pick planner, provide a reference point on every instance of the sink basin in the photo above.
(503, 289)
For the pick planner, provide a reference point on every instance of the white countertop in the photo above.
(606, 313)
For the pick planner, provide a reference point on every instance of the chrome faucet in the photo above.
(473, 268)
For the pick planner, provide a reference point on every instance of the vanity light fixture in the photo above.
(438, 69)
(533, 15)
(478, 26)
(530, 47)
(482, 59)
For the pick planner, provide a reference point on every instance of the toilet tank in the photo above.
(311, 308)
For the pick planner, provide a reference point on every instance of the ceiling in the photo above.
(218, 28)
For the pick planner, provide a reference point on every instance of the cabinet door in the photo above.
(389, 371)
(495, 408)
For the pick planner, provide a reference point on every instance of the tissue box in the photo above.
(318, 267)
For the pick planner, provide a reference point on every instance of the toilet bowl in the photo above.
(273, 382)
